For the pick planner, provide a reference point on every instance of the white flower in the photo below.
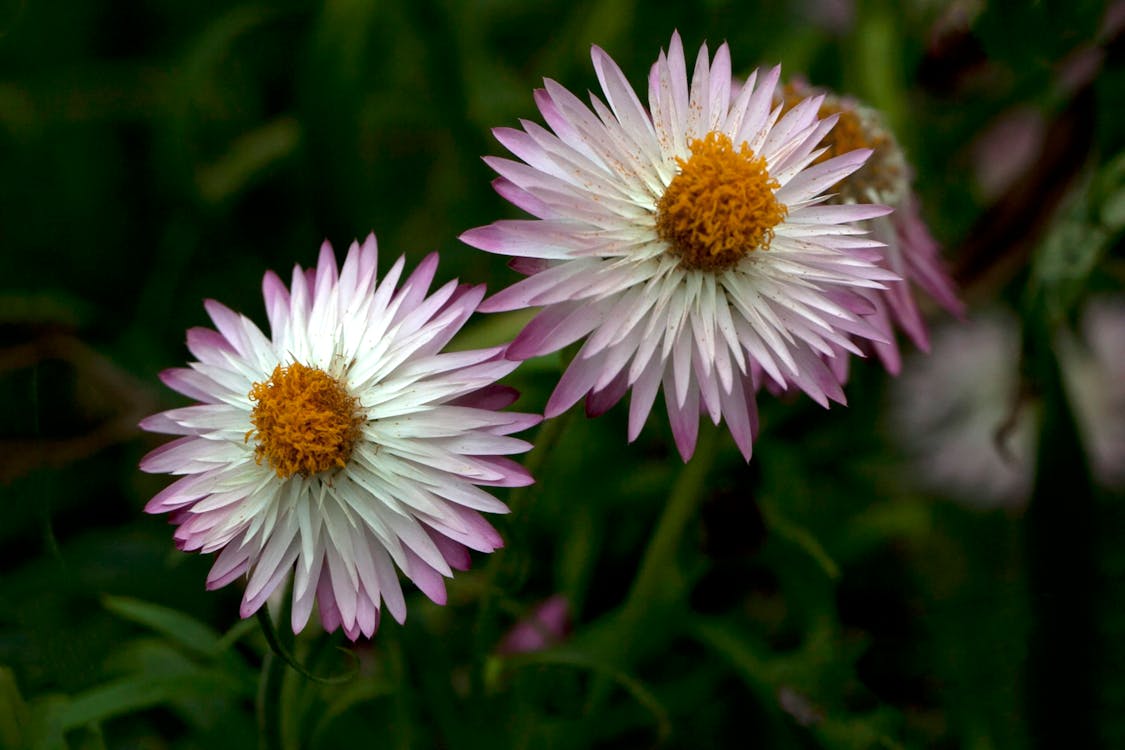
(960, 416)
(971, 432)
(1094, 373)
(342, 445)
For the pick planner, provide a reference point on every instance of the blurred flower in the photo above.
(959, 416)
(689, 244)
(342, 445)
(1085, 62)
(545, 626)
(910, 251)
(836, 16)
(952, 18)
(1007, 149)
(1094, 373)
(972, 435)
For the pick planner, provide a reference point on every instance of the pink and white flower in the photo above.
(342, 445)
(909, 250)
(689, 244)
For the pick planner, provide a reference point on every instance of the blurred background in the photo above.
(936, 565)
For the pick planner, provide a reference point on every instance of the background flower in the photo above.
(1093, 364)
(909, 250)
(959, 412)
(547, 624)
(971, 427)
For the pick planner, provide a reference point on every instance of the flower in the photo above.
(970, 430)
(1007, 149)
(689, 244)
(960, 418)
(834, 16)
(910, 251)
(1094, 374)
(342, 445)
(546, 625)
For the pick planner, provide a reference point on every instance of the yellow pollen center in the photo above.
(305, 421)
(720, 206)
(848, 134)
(851, 131)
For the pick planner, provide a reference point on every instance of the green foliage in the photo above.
(159, 152)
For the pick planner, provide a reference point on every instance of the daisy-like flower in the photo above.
(342, 445)
(688, 243)
(910, 251)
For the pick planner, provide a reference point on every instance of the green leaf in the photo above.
(55, 306)
(768, 675)
(91, 738)
(800, 537)
(180, 628)
(47, 730)
(352, 695)
(1109, 191)
(493, 330)
(240, 630)
(1080, 238)
(247, 158)
(140, 692)
(634, 687)
(14, 715)
(892, 519)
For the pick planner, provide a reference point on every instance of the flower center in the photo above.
(720, 206)
(883, 173)
(305, 421)
(849, 133)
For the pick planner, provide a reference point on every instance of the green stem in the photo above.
(680, 508)
(281, 645)
(269, 703)
(1061, 522)
(651, 585)
(545, 439)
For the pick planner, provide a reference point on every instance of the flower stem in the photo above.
(269, 702)
(1062, 529)
(659, 557)
(655, 584)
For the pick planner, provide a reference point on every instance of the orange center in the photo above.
(848, 133)
(851, 131)
(720, 206)
(305, 421)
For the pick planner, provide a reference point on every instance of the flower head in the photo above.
(688, 243)
(909, 249)
(342, 445)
